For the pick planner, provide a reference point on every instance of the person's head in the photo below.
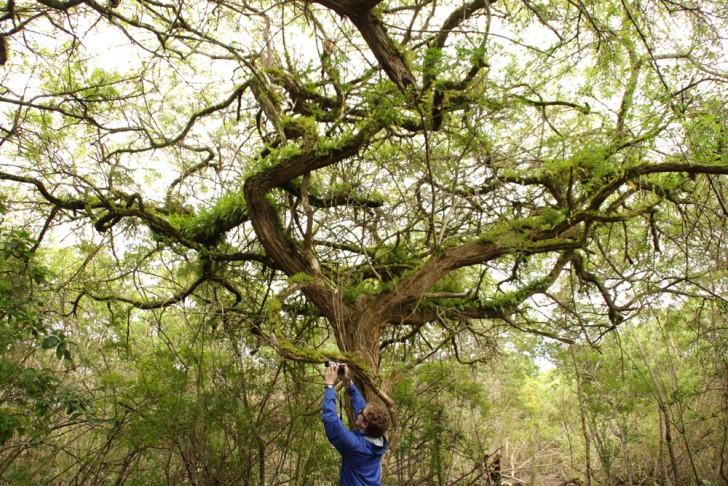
(373, 420)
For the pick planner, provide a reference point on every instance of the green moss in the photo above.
(501, 234)
(395, 255)
(300, 277)
(210, 224)
(274, 308)
(298, 353)
(510, 300)
(304, 125)
(279, 155)
(514, 233)
(327, 145)
(432, 62)
(352, 294)
(450, 283)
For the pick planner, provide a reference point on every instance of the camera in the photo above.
(341, 369)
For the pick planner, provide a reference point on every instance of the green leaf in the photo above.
(50, 342)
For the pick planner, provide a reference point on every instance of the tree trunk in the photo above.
(664, 409)
(585, 432)
(680, 422)
(360, 337)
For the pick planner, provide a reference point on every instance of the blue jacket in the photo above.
(361, 458)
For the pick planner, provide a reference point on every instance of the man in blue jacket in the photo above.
(361, 450)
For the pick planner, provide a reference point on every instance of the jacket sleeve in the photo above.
(337, 433)
(357, 401)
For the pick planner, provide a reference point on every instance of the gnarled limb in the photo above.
(372, 29)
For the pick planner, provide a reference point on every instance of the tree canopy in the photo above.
(379, 183)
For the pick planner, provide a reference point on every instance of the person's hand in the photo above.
(345, 378)
(330, 377)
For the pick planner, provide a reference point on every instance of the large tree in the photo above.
(405, 177)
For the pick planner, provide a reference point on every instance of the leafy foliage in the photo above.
(228, 193)
(32, 393)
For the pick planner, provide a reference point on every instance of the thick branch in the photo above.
(375, 35)
(391, 306)
(634, 172)
(267, 225)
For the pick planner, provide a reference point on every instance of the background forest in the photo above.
(508, 218)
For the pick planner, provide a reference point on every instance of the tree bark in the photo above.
(375, 35)
(584, 431)
(664, 409)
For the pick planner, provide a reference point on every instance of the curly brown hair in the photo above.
(377, 420)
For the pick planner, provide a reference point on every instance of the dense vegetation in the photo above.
(508, 217)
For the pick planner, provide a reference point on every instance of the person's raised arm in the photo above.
(357, 401)
(339, 436)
